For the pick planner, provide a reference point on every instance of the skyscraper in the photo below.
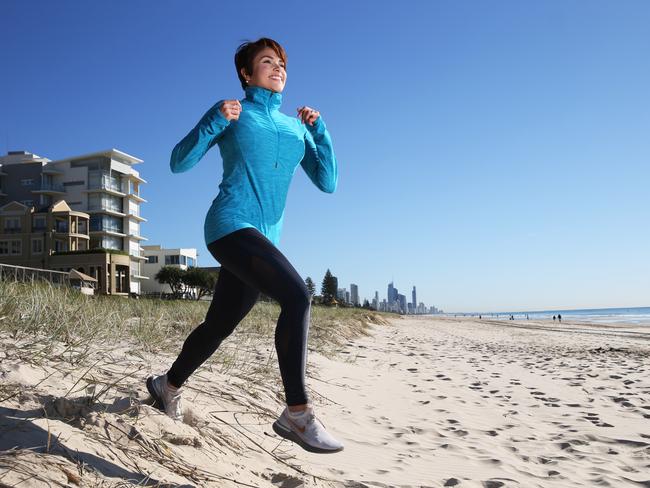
(354, 294)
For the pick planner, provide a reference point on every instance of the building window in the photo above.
(38, 223)
(37, 246)
(60, 246)
(62, 226)
(111, 242)
(102, 201)
(103, 180)
(15, 247)
(152, 259)
(12, 224)
(4, 248)
(172, 259)
(191, 261)
(27, 182)
(28, 203)
(106, 223)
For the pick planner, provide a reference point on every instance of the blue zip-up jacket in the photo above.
(260, 151)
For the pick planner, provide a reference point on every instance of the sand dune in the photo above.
(422, 402)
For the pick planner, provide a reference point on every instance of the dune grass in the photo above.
(42, 313)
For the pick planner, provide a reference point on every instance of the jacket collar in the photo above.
(263, 96)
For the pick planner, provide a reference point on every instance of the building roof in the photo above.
(78, 275)
(107, 152)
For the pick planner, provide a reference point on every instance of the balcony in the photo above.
(104, 183)
(138, 255)
(137, 237)
(64, 229)
(51, 170)
(134, 177)
(109, 231)
(115, 212)
(12, 230)
(138, 277)
(50, 188)
(106, 188)
(137, 198)
(135, 215)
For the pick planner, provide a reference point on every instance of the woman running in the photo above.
(261, 149)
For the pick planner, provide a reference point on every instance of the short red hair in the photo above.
(247, 51)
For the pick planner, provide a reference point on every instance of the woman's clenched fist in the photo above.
(308, 115)
(231, 109)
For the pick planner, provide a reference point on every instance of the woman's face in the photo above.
(268, 71)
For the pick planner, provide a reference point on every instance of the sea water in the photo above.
(634, 315)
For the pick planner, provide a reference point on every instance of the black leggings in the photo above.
(250, 263)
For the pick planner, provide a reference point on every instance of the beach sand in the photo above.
(421, 402)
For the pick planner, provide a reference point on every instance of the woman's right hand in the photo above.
(231, 109)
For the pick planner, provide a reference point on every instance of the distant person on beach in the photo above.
(553, 318)
(261, 148)
(559, 318)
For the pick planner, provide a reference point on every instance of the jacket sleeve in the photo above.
(199, 140)
(319, 161)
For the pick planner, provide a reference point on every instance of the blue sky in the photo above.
(494, 155)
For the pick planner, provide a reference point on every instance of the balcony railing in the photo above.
(105, 228)
(50, 187)
(106, 184)
(110, 208)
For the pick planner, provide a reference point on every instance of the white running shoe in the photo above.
(164, 398)
(307, 431)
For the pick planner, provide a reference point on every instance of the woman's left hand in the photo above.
(308, 114)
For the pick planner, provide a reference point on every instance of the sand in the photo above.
(421, 402)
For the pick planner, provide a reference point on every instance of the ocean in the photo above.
(634, 315)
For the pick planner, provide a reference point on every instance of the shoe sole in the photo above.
(292, 436)
(157, 403)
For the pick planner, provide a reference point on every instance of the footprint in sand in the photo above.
(623, 401)
(452, 482)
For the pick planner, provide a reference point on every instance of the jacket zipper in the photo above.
(277, 132)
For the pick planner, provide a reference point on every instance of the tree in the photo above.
(310, 286)
(172, 276)
(200, 280)
(328, 288)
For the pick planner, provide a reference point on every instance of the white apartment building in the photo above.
(156, 257)
(103, 184)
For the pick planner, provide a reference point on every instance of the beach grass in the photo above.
(40, 314)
